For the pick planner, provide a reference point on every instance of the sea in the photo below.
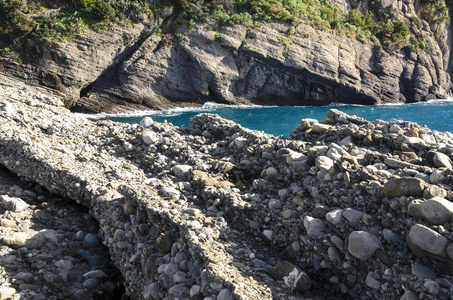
(281, 120)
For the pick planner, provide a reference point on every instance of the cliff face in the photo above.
(133, 68)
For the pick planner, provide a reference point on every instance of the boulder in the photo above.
(435, 211)
(442, 160)
(425, 241)
(362, 244)
(405, 186)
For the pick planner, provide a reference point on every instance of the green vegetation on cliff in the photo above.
(27, 22)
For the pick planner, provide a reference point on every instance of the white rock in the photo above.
(149, 137)
(334, 154)
(146, 122)
(334, 216)
(318, 127)
(395, 128)
(324, 163)
(13, 204)
(181, 170)
(240, 142)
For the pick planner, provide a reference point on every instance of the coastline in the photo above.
(346, 204)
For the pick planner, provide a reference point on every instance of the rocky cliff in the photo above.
(133, 67)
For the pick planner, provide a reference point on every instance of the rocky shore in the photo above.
(346, 208)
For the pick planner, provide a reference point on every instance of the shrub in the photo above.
(400, 32)
(103, 10)
(356, 18)
(83, 3)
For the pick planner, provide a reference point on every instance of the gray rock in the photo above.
(64, 264)
(362, 245)
(91, 240)
(170, 192)
(151, 291)
(50, 235)
(353, 216)
(395, 128)
(423, 240)
(271, 173)
(409, 295)
(90, 283)
(315, 227)
(450, 251)
(405, 186)
(171, 269)
(337, 242)
(432, 287)
(275, 204)
(180, 277)
(372, 282)
(181, 170)
(437, 176)
(333, 253)
(422, 271)
(441, 160)
(434, 191)
(347, 141)
(195, 290)
(435, 211)
(179, 290)
(225, 294)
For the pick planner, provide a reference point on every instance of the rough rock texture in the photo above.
(250, 202)
(130, 68)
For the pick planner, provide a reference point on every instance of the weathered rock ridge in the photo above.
(346, 208)
(130, 68)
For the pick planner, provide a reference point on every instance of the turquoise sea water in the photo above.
(437, 115)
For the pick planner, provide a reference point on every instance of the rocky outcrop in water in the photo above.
(134, 68)
(345, 208)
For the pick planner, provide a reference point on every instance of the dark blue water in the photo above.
(437, 115)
